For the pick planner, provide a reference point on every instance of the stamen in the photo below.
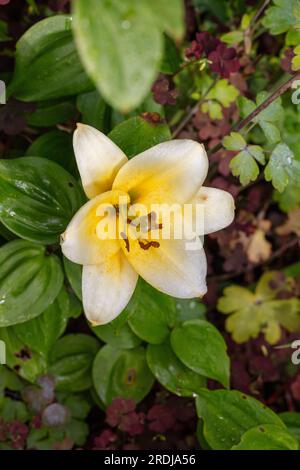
(127, 244)
(117, 209)
(145, 245)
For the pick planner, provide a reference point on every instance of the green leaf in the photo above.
(281, 16)
(76, 308)
(290, 197)
(95, 112)
(292, 37)
(50, 113)
(6, 234)
(71, 361)
(55, 146)
(233, 37)
(268, 119)
(273, 112)
(10, 380)
(78, 406)
(217, 8)
(37, 198)
(140, 133)
(41, 333)
(254, 312)
(121, 46)
(199, 345)
(271, 132)
(189, 309)
(29, 281)
(234, 141)
(27, 363)
(200, 436)
(152, 313)
(245, 105)
(296, 60)
(171, 372)
(117, 333)
(12, 410)
(47, 63)
(245, 167)
(121, 373)
(227, 415)
(169, 16)
(223, 92)
(78, 431)
(39, 439)
(257, 152)
(213, 108)
(267, 437)
(171, 60)
(282, 167)
(292, 422)
(74, 275)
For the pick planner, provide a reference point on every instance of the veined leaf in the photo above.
(30, 280)
(37, 198)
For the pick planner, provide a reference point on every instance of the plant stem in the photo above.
(258, 14)
(278, 92)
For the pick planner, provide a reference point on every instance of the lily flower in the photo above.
(169, 173)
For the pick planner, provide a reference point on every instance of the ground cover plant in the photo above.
(160, 371)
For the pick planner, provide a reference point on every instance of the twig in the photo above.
(280, 90)
(258, 14)
(252, 25)
(275, 255)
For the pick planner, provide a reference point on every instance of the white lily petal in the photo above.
(171, 268)
(217, 208)
(98, 159)
(170, 172)
(107, 289)
(80, 242)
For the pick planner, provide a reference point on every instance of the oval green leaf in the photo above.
(200, 346)
(29, 281)
(47, 63)
(267, 437)
(41, 333)
(227, 415)
(139, 133)
(152, 313)
(171, 372)
(56, 146)
(121, 373)
(74, 275)
(50, 113)
(120, 45)
(71, 362)
(118, 333)
(292, 422)
(19, 357)
(37, 198)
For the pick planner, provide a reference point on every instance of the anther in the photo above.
(146, 245)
